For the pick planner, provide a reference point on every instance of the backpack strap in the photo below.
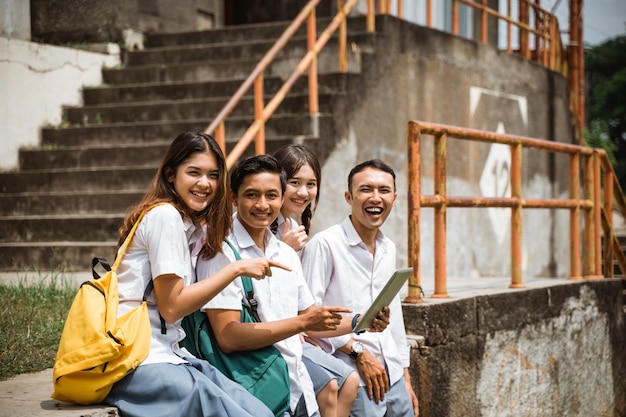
(121, 252)
(247, 287)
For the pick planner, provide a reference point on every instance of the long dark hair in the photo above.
(294, 157)
(217, 216)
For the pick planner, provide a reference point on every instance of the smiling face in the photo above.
(195, 180)
(372, 196)
(301, 191)
(258, 202)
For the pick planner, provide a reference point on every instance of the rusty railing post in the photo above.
(343, 39)
(310, 42)
(370, 19)
(414, 177)
(220, 136)
(589, 239)
(516, 217)
(574, 217)
(441, 290)
(608, 210)
(597, 211)
(259, 141)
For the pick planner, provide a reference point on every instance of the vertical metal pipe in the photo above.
(523, 38)
(597, 204)
(441, 290)
(455, 17)
(414, 174)
(370, 19)
(574, 217)
(429, 13)
(483, 22)
(589, 235)
(220, 136)
(343, 38)
(259, 142)
(311, 38)
(608, 210)
(509, 47)
(400, 9)
(516, 217)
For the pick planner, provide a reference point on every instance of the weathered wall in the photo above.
(418, 73)
(560, 352)
(36, 81)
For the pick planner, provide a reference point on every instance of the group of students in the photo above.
(309, 291)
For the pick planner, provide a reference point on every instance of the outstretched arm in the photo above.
(175, 300)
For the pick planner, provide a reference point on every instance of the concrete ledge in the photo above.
(28, 395)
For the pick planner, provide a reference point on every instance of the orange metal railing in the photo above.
(597, 204)
(548, 52)
(262, 112)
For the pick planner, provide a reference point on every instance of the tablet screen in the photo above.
(387, 294)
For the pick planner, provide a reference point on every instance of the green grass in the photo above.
(31, 322)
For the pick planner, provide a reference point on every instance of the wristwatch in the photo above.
(357, 349)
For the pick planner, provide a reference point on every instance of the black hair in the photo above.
(372, 163)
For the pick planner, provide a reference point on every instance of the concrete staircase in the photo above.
(68, 198)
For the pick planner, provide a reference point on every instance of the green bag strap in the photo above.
(247, 286)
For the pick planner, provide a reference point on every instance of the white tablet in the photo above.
(389, 291)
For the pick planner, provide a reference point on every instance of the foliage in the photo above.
(31, 323)
(605, 66)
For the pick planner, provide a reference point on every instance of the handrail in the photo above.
(597, 208)
(308, 62)
(256, 131)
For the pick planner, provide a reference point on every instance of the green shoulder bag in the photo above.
(263, 372)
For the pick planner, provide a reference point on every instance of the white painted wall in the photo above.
(36, 81)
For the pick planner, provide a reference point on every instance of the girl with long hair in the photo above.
(191, 184)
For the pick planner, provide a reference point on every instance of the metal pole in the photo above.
(415, 285)
(516, 217)
(574, 217)
(440, 217)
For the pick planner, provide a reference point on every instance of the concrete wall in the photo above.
(559, 352)
(15, 22)
(423, 74)
(36, 81)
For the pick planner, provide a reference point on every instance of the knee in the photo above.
(351, 385)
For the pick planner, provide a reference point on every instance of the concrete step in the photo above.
(130, 93)
(77, 180)
(54, 256)
(73, 227)
(179, 70)
(159, 131)
(96, 156)
(64, 202)
(240, 33)
(230, 51)
(183, 109)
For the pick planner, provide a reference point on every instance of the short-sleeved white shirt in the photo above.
(280, 296)
(160, 246)
(340, 270)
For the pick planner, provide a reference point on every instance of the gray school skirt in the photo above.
(324, 367)
(196, 389)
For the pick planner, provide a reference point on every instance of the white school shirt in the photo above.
(160, 246)
(340, 271)
(279, 297)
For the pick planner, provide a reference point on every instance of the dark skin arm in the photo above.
(175, 300)
(234, 336)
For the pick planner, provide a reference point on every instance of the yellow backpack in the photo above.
(98, 348)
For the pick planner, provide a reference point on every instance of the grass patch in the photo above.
(31, 322)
